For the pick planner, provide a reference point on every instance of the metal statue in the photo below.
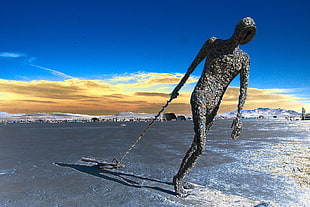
(224, 61)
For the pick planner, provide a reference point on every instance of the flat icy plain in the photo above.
(269, 163)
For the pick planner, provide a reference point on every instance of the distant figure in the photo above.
(224, 61)
(303, 113)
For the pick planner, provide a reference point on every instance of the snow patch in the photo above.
(265, 112)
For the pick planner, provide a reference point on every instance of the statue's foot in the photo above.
(188, 185)
(178, 187)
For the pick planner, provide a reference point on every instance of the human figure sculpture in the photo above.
(224, 61)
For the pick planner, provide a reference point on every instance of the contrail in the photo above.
(55, 72)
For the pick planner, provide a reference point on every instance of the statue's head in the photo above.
(245, 30)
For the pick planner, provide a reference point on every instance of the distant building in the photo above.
(181, 118)
(94, 119)
(169, 117)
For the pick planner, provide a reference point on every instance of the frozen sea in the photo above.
(270, 162)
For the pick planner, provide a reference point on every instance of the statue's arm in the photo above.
(203, 53)
(244, 82)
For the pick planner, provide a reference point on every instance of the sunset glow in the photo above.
(141, 92)
(105, 57)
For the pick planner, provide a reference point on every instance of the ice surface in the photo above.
(269, 163)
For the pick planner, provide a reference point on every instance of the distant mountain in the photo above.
(57, 114)
(42, 116)
(132, 115)
(127, 114)
(4, 114)
(266, 112)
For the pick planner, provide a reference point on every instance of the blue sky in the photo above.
(91, 40)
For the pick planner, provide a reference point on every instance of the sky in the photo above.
(102, 57)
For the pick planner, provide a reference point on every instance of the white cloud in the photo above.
(11, 55)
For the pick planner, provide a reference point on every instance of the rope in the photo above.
(174, 95)
(143, 132)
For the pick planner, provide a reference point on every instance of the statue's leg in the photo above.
(201, 127)
(188, 162)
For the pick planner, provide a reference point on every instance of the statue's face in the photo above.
(245, 30)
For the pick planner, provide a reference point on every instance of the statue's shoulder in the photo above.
(211, 40)
(242, 55)
(241, 52)
(209, 43)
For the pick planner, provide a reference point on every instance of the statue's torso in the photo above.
(221, 67)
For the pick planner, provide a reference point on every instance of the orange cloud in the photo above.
(144, 92)
(152, 94)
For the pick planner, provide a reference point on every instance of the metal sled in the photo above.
(102, 164)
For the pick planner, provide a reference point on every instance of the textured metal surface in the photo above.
(224, 61)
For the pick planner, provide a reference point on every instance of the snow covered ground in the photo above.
(126, 116)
